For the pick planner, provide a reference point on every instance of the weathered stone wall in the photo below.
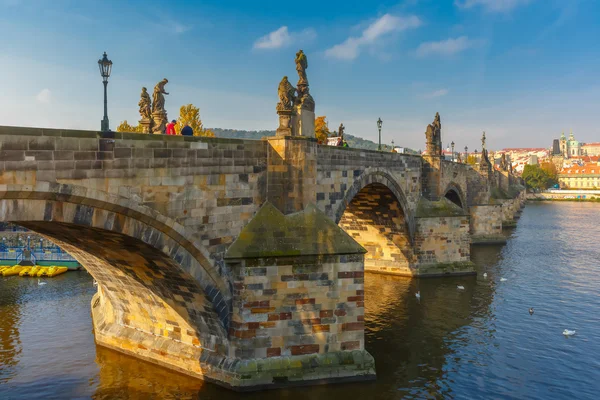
(432, 176)
(502, 180)
(292, 172)
(486, 224)
(454, 177)
(375, 219)
(478, 188)
(303, 316)
(442, 245)
(343, 172)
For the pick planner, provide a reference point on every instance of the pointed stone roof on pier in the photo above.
(306, 233)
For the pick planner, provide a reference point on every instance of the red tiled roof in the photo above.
(587, 169)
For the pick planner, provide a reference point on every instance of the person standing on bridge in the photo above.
(171, 128)
(187, 130)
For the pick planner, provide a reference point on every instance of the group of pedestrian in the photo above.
(185, 131)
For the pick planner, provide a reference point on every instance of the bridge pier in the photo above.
(298, 307)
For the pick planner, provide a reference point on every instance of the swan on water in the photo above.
(95, 283)
(530, 310)
(40, 283)
(485, 274)
(567, 332)
(460, 287)
(503, 279)
(418, 295)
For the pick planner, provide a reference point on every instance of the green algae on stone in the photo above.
(305, 233)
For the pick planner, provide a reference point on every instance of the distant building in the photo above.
(591, 149)
(556, 147)
(576, 176)
(533, 159)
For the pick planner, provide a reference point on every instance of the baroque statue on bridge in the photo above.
(158, 100)
(145, 104)
(301, 66)
(286, 94)
(433, 136)
(341, 130)
(305, 100)
(159, 114)
(503, 164)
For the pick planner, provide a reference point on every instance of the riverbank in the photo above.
(536, 197)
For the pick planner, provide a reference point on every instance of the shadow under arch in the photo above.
(376, 214)
(454, 193)
(151, 277)
(386, 179)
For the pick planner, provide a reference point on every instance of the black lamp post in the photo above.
(379, 123)
(452, 144)
(466, 154)
(105, 66)
(393, 145)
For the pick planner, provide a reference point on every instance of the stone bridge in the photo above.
(242, 262)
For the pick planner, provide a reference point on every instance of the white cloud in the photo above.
(179, 28)
(491, 5)
(436, 93)
(446, 47)
(351, 47)
(282, 37)
(44, 96)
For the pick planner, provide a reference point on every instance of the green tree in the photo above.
(550, 170)
(190, 114)
(321, 129)
(125, 127)
(536, 177)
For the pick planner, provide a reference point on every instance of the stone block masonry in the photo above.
(486, 224)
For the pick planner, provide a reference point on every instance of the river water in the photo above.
(477, 343)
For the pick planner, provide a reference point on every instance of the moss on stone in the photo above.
(440, 208)
(305, 233)
(455, 268)
(499, 194)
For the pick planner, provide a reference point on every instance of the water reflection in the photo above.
(10, 321)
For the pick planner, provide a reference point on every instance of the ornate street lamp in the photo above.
(452, 144)
(379, 123)
(393, 145)
(105, 66)
(466, 154)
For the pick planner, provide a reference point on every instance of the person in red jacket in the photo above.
(171, 128)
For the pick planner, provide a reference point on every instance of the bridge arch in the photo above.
(152, 278)
(375, 213)
(455, 194)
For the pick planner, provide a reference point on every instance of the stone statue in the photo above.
(305, 100)
(341, 130)
(503, 164)
(145, 105)
(459, 158)
(159, 114)
(286, 94)
(158, 100)
(433, 136)
(483, 141)
(301, 66)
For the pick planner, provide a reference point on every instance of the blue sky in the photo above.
(522, 70)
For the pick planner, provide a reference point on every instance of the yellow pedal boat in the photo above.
(55, 270)
(14, 270)
(32, 271)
